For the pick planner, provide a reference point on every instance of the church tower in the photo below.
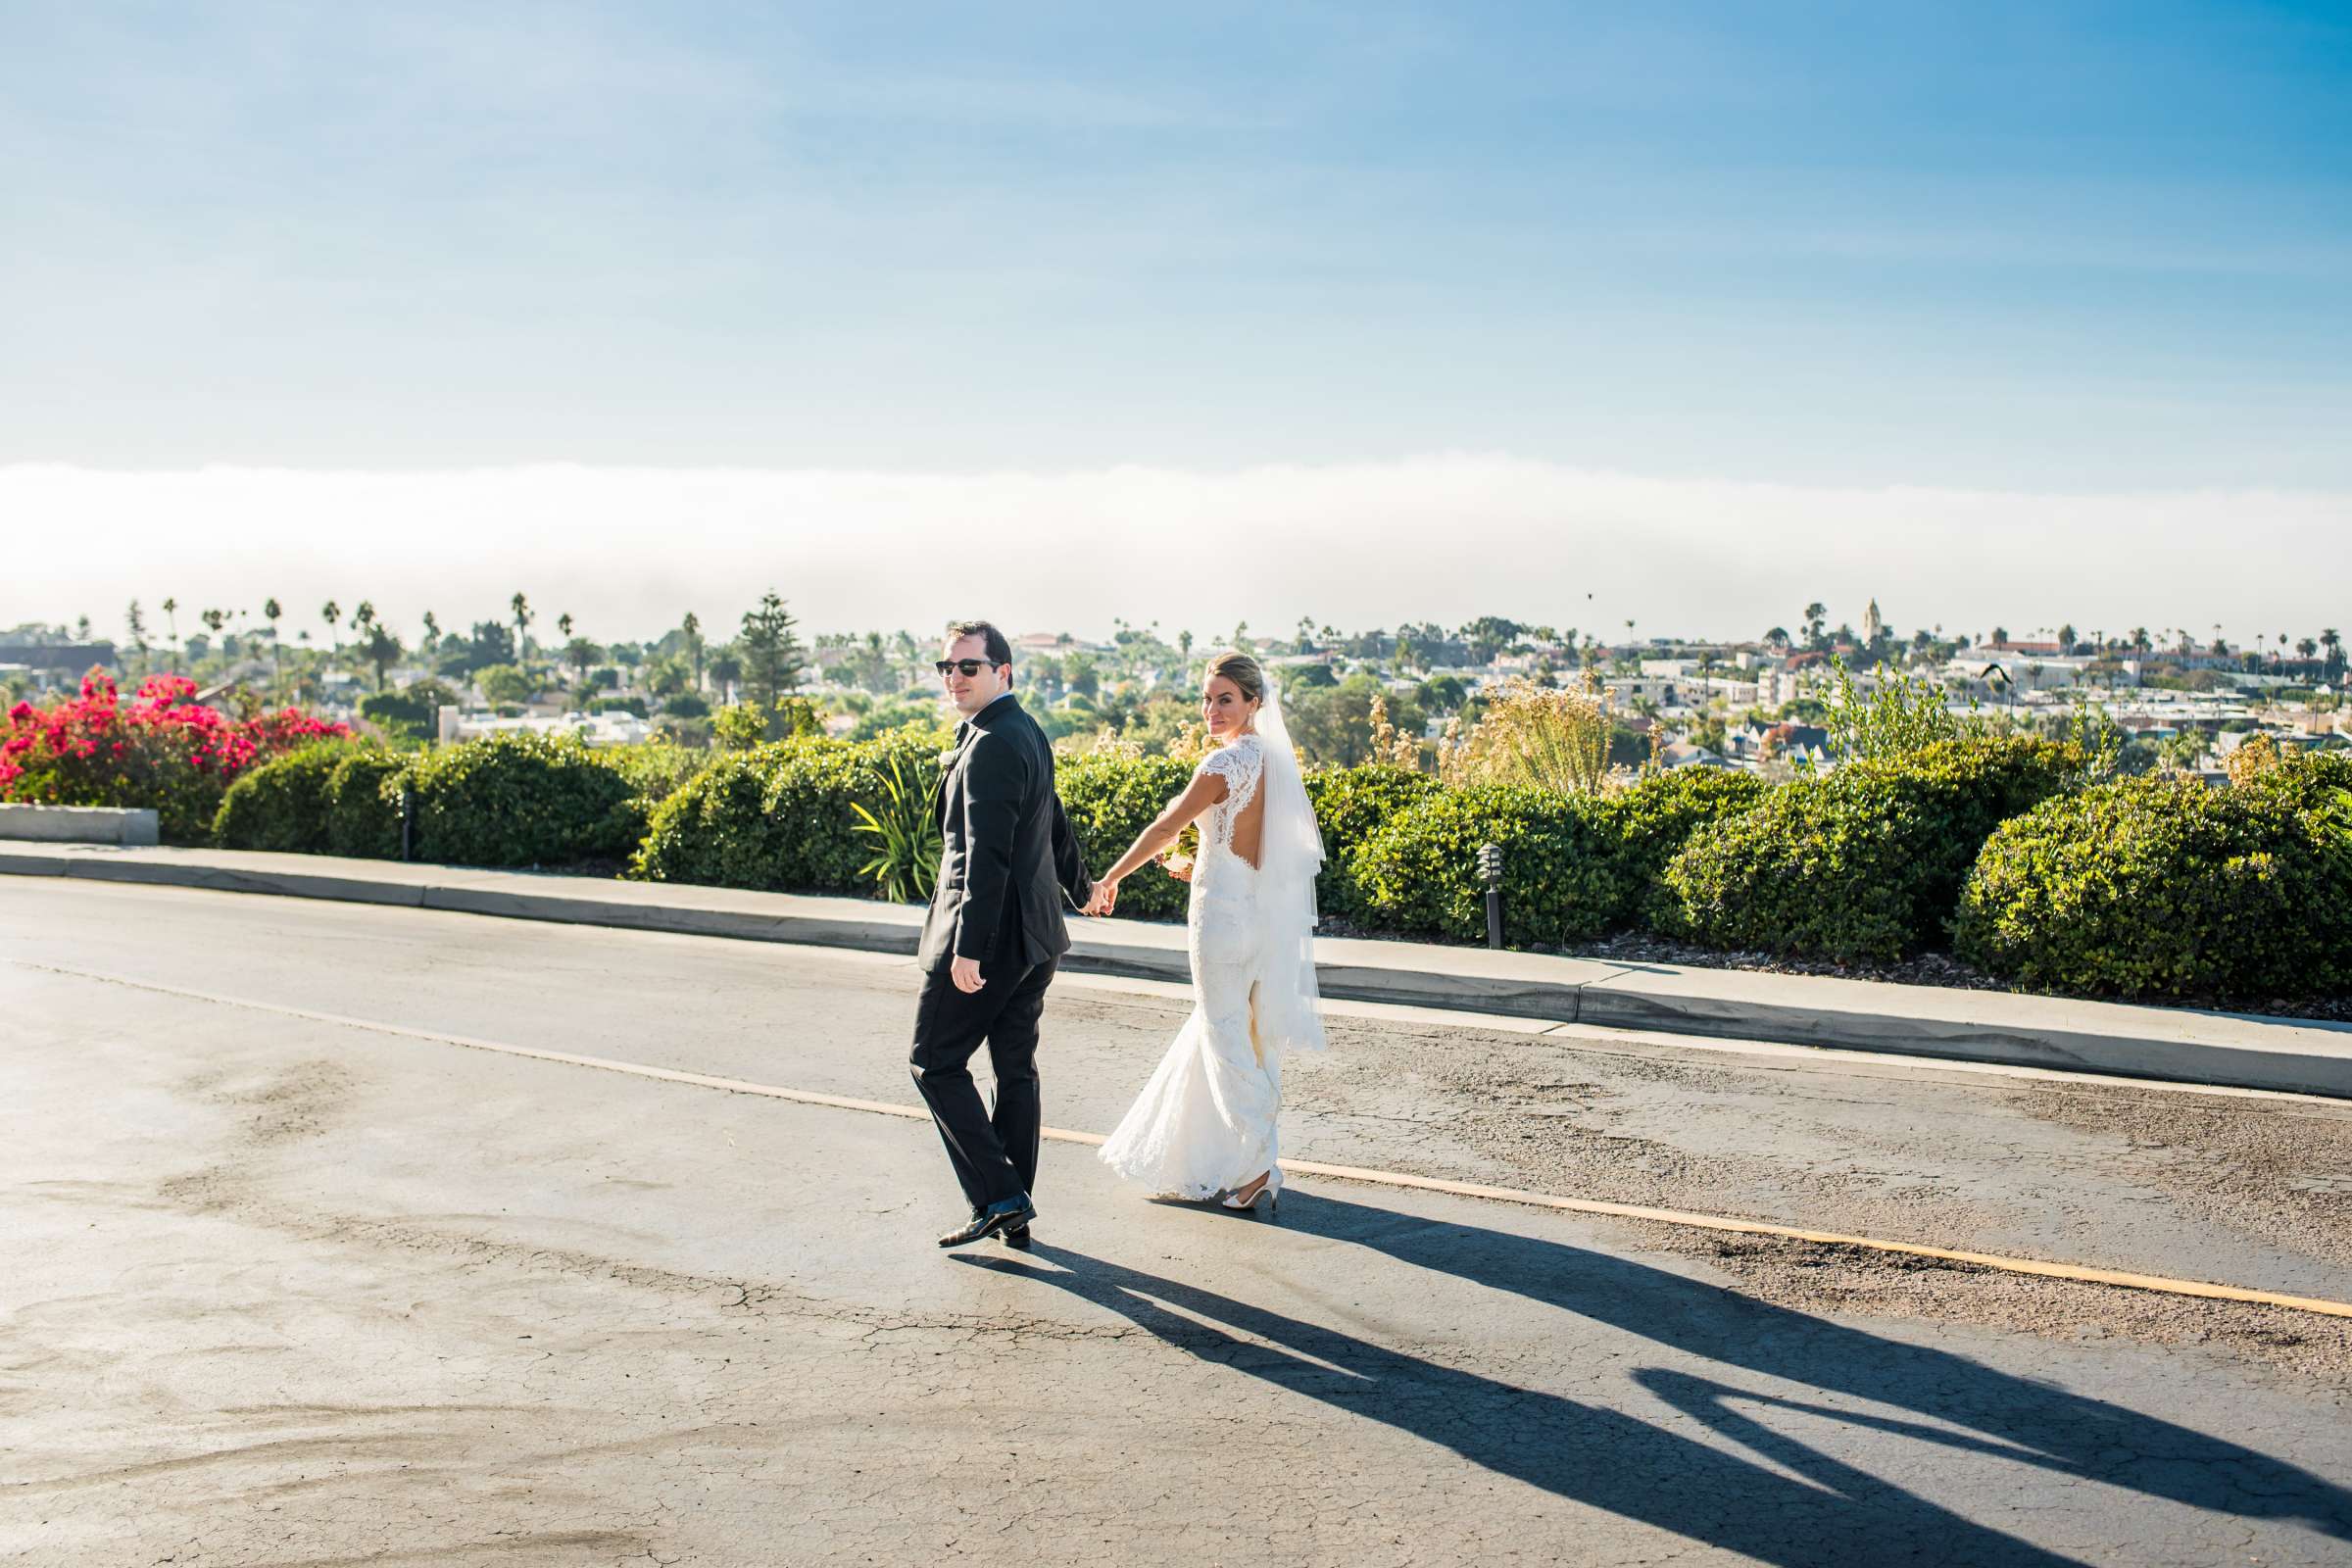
(1873, 628)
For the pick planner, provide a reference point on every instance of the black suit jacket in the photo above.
(1009, 853)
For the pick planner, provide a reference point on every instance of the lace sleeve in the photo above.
(1239, 766)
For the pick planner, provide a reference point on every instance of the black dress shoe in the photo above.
(1011, 1212)
(1015, 1237)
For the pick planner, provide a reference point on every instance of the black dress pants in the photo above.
(994, 1149)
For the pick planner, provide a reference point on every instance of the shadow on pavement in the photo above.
(1835, 1514)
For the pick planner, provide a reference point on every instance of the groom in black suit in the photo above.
(994, 934)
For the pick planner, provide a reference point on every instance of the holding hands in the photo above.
(1106, 892)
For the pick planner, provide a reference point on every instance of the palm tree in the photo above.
(2141, 643)
(2333, 643)
(1816, 614)
(172, 626)
(564, 625)
(432, 634)
(330, 612)
(692, 626)
(381, 649)
(523, 627)
(271, 611)
(725, 670)
(137, 621)
(580, 653)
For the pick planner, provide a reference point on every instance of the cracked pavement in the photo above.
(284, 1293)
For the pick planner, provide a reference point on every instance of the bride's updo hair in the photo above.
(1242, 670)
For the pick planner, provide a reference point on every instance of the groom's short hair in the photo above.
(999, 651)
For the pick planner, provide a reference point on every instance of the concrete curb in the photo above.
(2239, 1050)
(133, 826)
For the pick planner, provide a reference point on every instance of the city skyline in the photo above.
(1441, 539)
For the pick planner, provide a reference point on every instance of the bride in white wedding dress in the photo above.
(1203, 1127)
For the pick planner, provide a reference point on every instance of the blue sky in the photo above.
(2038, 250)
(2038, 245)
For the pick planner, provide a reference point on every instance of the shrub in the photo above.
(1542, 736)
(780, 815)
(521, 799)
(362, 810)
(1655, 819)
(165, 752)
(1112, 796)
(655, 770)
(2166, 888)
(410, 713)
(1561, 883)
(1865, 863)
(686, 705)
(2310, 782)
(280, 805)
(1352, 804)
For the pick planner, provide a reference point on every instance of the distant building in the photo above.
(71, 659)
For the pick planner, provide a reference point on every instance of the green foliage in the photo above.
(363, 808)
(782, 815)
(1112, 797)
(1561, 882)
(913, 710)
(522, 799)
(655, 769)
(771, 655)
(281, 805)
(2165, 888)
(744, 724)
(907, 843)
(1866, 862)
(410, 714)
(1333, 724)
(1655, 819)
(1352, 804)
(686, 705)
(1902, 715)
(506, 683)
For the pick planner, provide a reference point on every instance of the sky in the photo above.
(1064, 313)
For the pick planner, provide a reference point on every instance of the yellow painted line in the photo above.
(1296, 1167)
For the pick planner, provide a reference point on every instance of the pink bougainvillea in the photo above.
(163, 750)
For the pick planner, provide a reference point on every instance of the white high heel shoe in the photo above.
(1268, 1191)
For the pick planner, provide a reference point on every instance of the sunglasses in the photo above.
(969, 666)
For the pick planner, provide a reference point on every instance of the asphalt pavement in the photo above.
(292, 1291)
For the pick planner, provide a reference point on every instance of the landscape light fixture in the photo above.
(1489, 872)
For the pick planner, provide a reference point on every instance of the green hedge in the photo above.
(2167, 888)
(778, 815)
(1110, 799)
(1352, 804)
(1866, 862)
(1655, 818)
(363, 808)
(283, 803)
(521, 799)
(1418, 873)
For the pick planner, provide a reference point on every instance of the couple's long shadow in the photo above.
(1631, 1467)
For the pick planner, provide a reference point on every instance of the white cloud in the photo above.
(1445, 537)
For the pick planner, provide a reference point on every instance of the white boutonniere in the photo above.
(947, 758)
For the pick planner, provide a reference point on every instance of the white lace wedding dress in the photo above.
(1205, 1124)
